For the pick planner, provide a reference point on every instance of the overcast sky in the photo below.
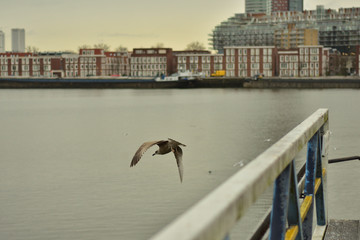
(54, 25)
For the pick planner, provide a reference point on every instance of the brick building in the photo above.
(304, 61)
(152, 62)
(17, 64)
(246, 61)
(117, 64)
(249, 61)
(91, 63)
(198, 61)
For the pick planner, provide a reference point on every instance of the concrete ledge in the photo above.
(343, 229)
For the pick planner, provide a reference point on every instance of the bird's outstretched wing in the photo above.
(178, 155)
(174, 142)
(142, 149)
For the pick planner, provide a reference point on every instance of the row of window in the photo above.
(148, 67)
(301, 73)
(244, 73)
(296, 58)
(253, 51)
(25, 68)
(252, 66)
(301, 65)
(252, 59)
(24, 60)
(307, 50)
(148, 59)
(146, 73)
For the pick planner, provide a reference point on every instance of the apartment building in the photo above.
(256, 6)
(117, 64)
(286, 5)
(16, 64)
(198, 61)
(237, 61)
(248, 61)
(336, 28)
(91, 63)
(293, 37)
(151, 62)
(304, 61)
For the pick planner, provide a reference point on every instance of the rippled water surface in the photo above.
(65, 154)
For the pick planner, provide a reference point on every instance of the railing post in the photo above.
(312, 155)
(280, 205)
(319, 195)
(294, 217)
(286, 207)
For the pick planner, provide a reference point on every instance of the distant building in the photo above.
(286, 5)
(256, 6)
(237, 61)
(247, 61)
(2, 42)
(304, 61)
(198, 61)
(270, 6)
(292, 37)
(16, 64)
(18, 40)
(91, 63)
(296, 5)
(338, 29)
(117, 63)
(151, 62)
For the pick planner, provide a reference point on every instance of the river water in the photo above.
(65, 154)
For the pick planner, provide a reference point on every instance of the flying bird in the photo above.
(165, 146)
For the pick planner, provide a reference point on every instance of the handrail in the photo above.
(215, 215)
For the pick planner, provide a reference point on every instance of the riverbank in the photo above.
(328, 82)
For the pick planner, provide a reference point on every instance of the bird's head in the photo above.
(156, 152)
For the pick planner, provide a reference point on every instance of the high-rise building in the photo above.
(269, 6)
(2, 41)
(296, 5)
(18, 39)
(285, 5)
(338, 29)
(256, 6)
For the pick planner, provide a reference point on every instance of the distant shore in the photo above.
(146, 83)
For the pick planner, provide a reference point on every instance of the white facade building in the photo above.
(18, 39)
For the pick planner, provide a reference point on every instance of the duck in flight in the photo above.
(165, 146)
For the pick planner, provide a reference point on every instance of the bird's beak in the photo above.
(154, 154)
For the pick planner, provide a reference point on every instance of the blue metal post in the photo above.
(319, 196)
(294, 217)
(280, 205)
(312, 154)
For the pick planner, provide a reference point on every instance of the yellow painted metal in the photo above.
(317, 184)
(305, 206)
(318, 180)
(292, 232)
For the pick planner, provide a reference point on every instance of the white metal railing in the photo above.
(215, 215)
